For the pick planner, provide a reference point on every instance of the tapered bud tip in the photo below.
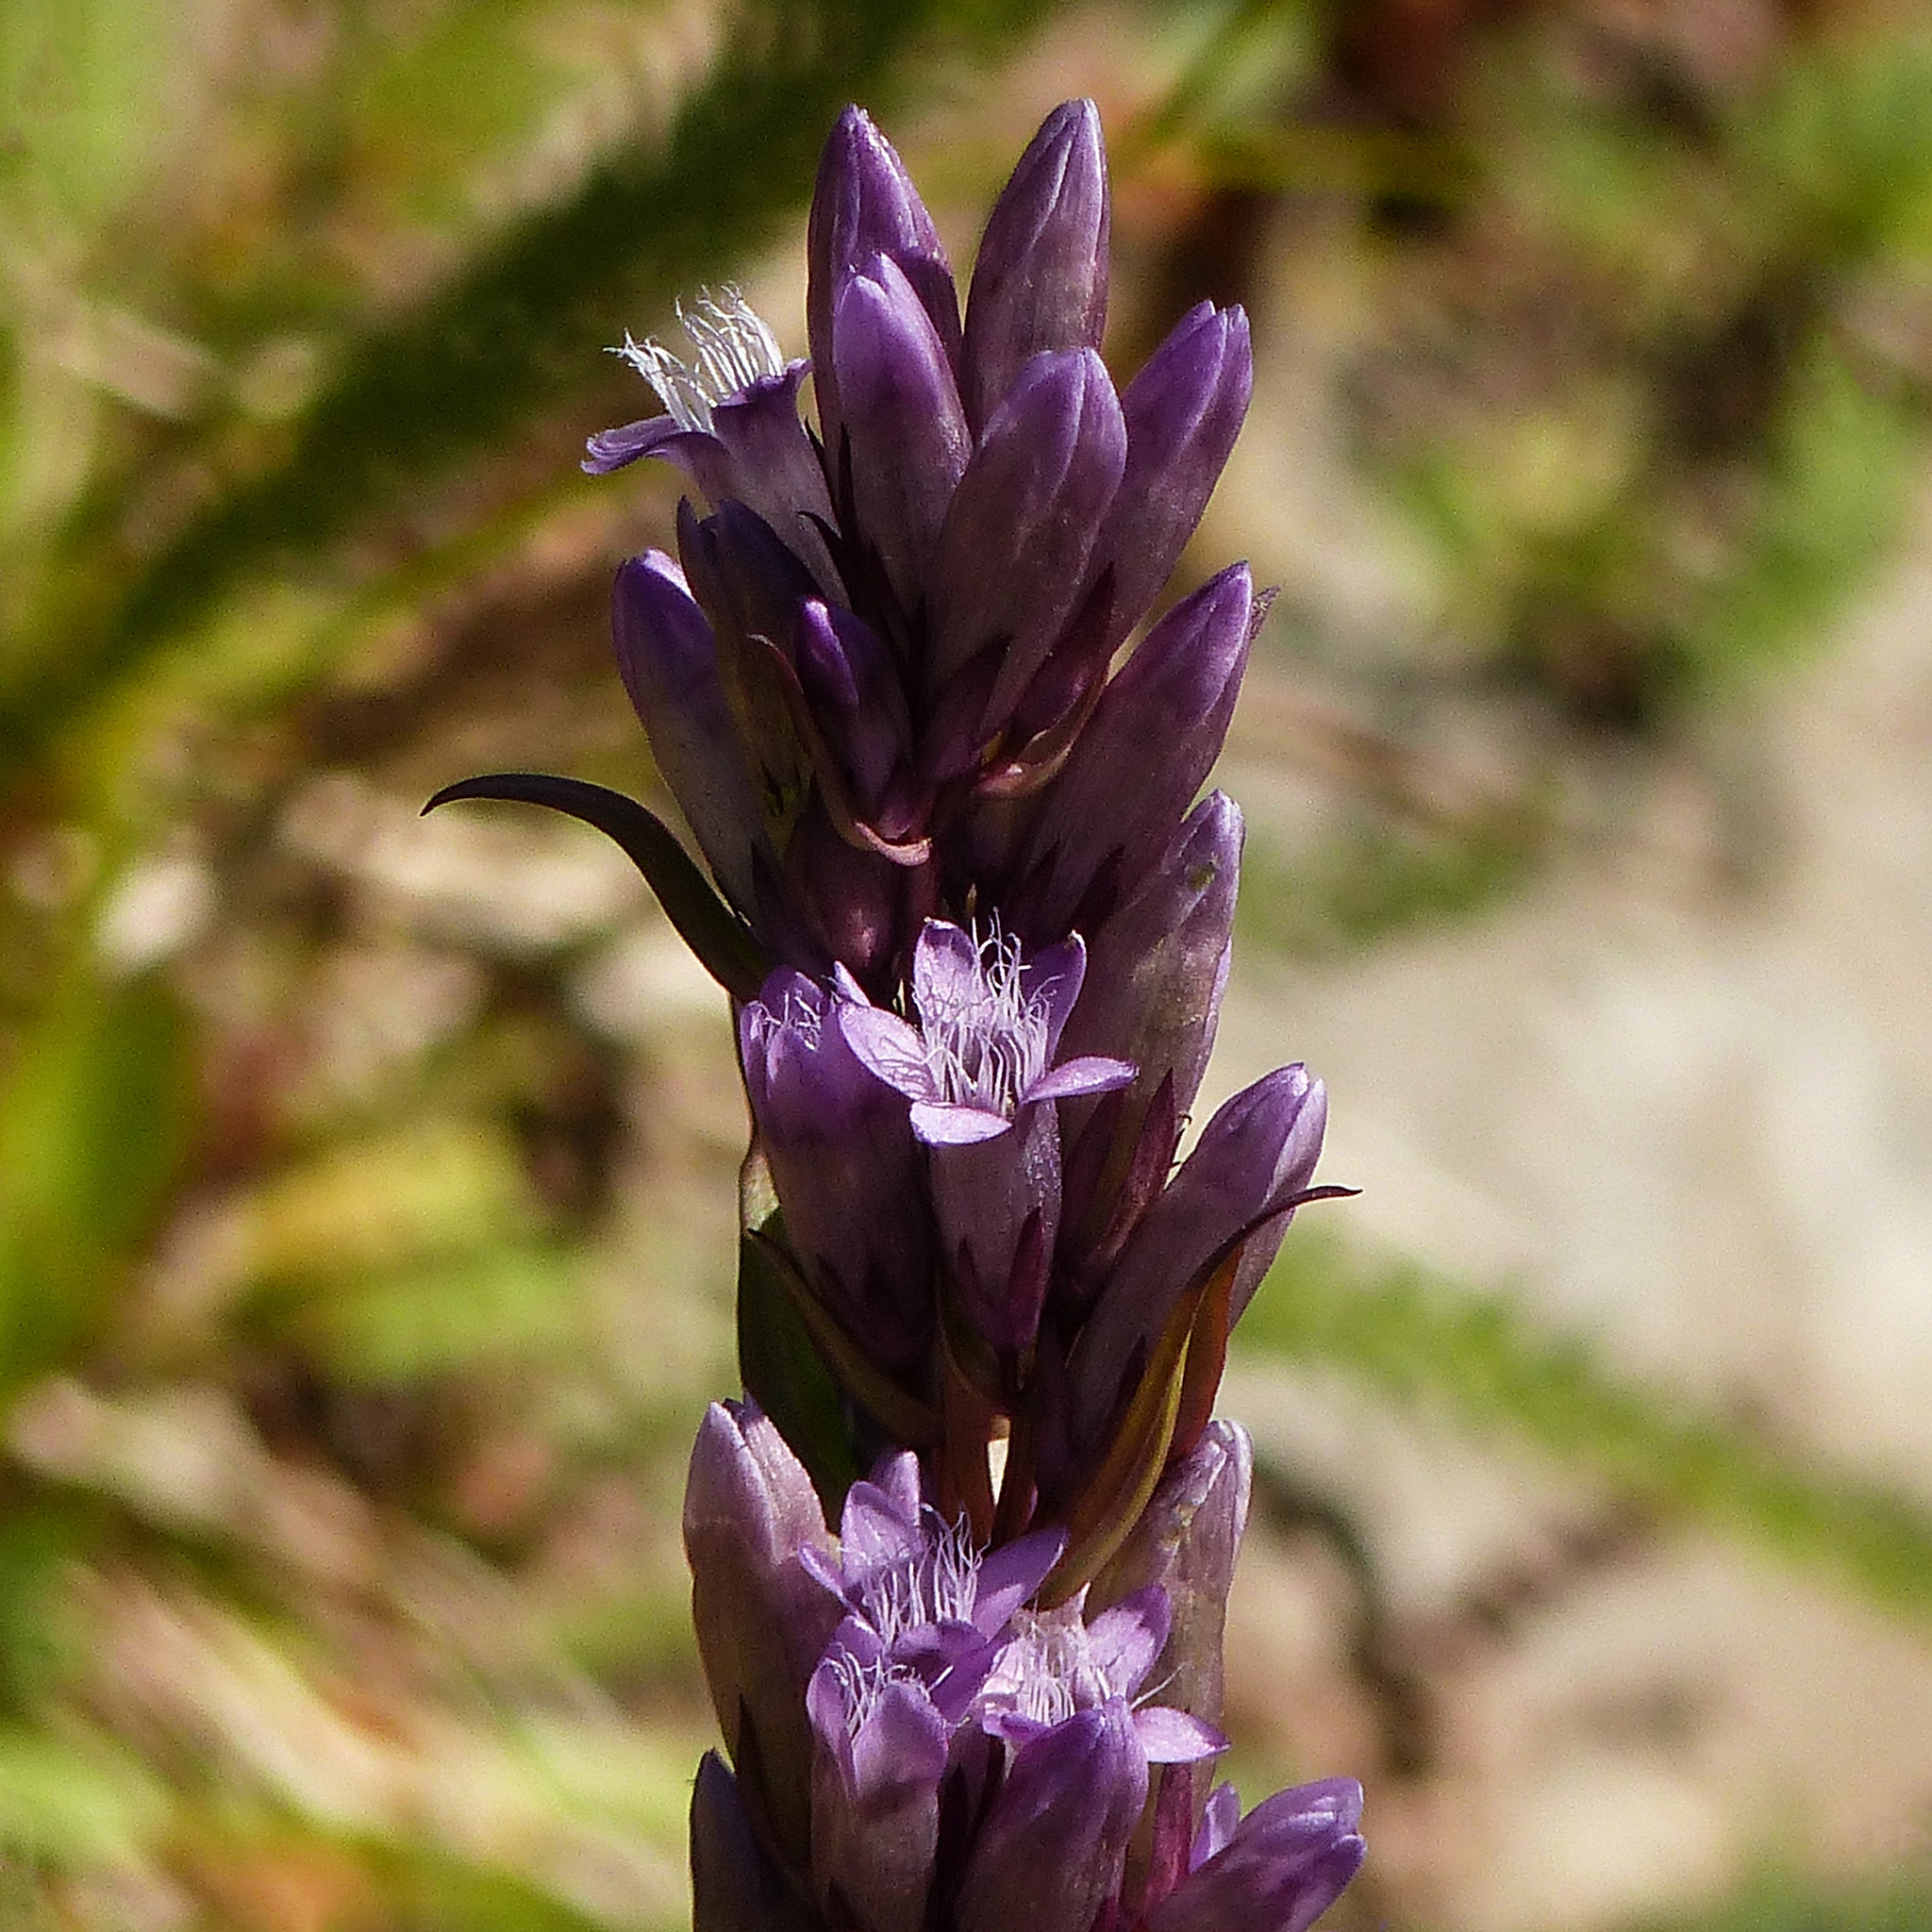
(856, 141)
(744, 1477)
(1070, 140)
(1327, 1807)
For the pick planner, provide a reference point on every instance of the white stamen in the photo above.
(988, 1049)
(796, 1013)
(936, 1585)
(1046, 1671)
(733, 349)
(861, 1686)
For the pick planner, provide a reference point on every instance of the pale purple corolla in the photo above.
(1056, 1664)
(932, 1603)
(979, 1050)
(977, 1063)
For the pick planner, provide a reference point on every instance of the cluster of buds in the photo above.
(976, 928)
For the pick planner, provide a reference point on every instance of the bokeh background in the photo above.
(366, 1182)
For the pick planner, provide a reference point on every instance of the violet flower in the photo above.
(979, 1071)
(924, 1595)
(989, 1023)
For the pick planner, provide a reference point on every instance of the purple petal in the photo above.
(766, 461)
(856, 904)
(1186, 1541)
(903, 1741)
(938, 1124)
(1076, 1078)
(1183, 412)
(669, 662)
(853, 687)
(952, 1660)
(889, 1048)
(1287, 1862)
(1055, 974)
(1009, 1575)
(1040, 278)
(1158, 964)
(1012, 556)
(844, 1164)
(864, 204)
(876, 1529)
(735, 1886)
(611, 449)
(876, 1799)
(997, 1203)
(749, 587)
(947, 973)
(1171, 1737)
(1124, 1638)
(898, 1476)
(1219, 1817)
(762, 1620)
(745, 1479)
(803, 1081)
(907, 434)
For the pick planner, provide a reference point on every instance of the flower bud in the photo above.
(762, 1618)
(1277, 1870)
(864, 204)
(1040, 278)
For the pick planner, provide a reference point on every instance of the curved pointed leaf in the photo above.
(725, 947)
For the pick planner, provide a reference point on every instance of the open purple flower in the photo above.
(979, 1069)
(989, 1023)
(933, 1603)
(1056, 1665)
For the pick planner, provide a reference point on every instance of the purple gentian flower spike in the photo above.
(762, 1618)
(845, 1166)
(1040, 278)
(1277, 1870)
(864, 204)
